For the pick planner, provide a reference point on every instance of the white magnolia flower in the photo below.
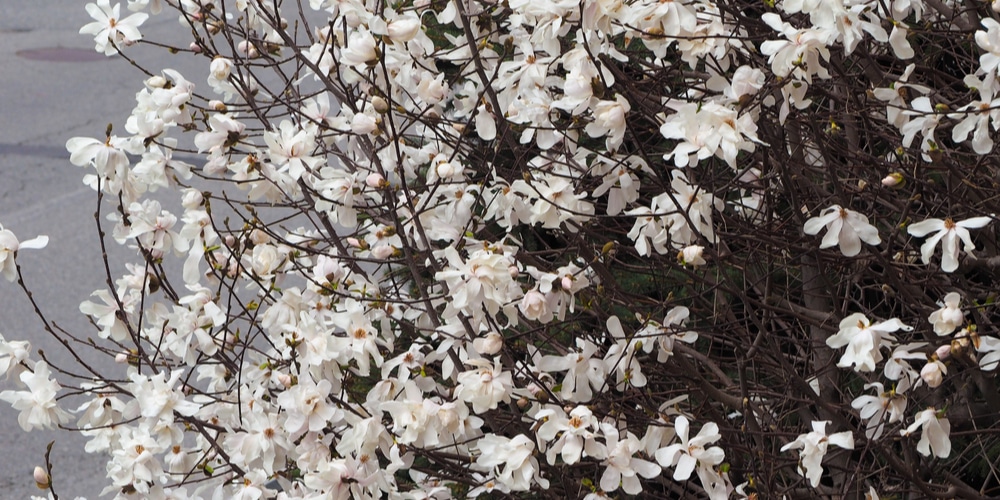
(933, 372)
(515, 455)
(690, 453)
(9, 247)
(38, 404)
(873, 409)
(576, 434)
(814, 446)
(846, 227)
(864, 340)
(948, 232)
(109, 30)
(950, 316)
(623, 468)
(934, 435)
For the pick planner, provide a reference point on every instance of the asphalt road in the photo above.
(44, 102)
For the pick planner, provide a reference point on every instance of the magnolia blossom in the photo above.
(690, 453)
(623, 467)
(950, 316)
(576, 434)
(515, 455)
(814, 446)
(609, 119)
(37, 405)
(948, 233)
(846, 227)
(485, 386)
(934, 436)
(873, 409)
(864, 340)
(9, 247)
(109, 30)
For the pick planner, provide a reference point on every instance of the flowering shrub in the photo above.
(422, 249)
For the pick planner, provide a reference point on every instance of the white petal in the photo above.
(37, 242)
(923, 228)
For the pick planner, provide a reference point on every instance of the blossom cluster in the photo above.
(416, 250)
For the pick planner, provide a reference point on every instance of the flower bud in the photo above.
(404, 29)
(246, 48)
(488, 345)
(894, 179)
(933, 373)
(943, 352)
(512, 270)
(445, 170)
(194, 47)
(383, 251)
(156, 82)
(567, 283)
(380, 105)
(259, 237)
(42, 479)
(220, 68)
(230, 240)
(363, 124)
(285, 380)
(375, 180)
(192, 199)
(354, 242)
(217, 105)
(692, 256)
(121, 358)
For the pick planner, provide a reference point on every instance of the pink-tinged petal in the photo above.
(923, 228)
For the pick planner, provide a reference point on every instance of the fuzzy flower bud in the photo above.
(404, 29)
(567, 283)
(943, 352)
(691, 256)
(156, 82)
(380, 105)
(375, 180)
(894, 179)
(933, 373)
(42, 479)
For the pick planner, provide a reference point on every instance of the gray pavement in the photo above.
(42, 104)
